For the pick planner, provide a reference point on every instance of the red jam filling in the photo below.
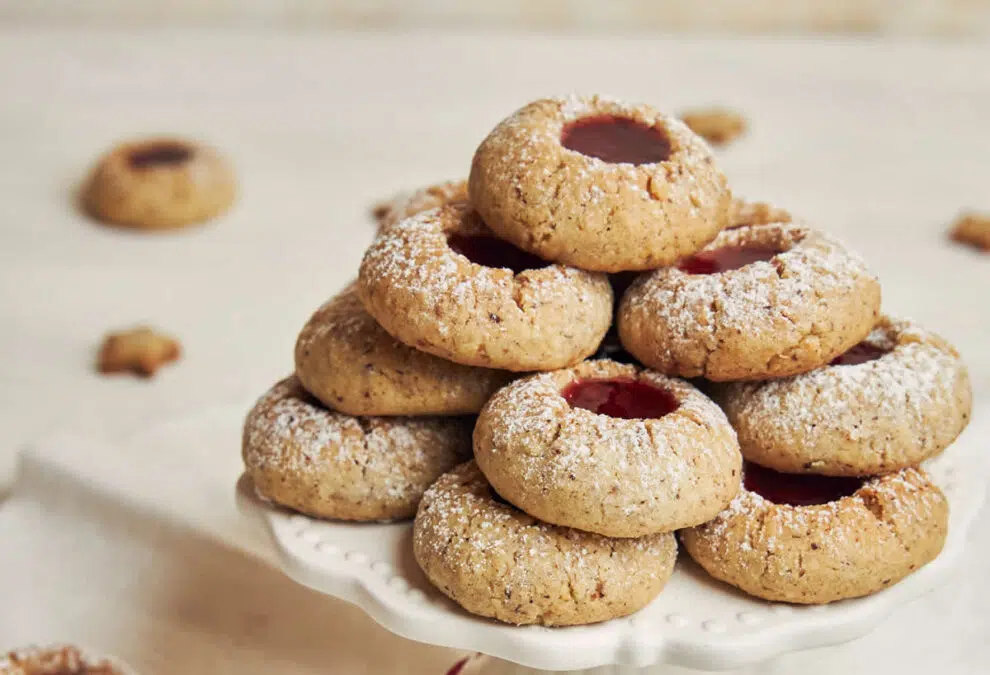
(617, 140)
(160, 154)
(864, 352)
(494, 252)
(797, 489)
(725, 259)
(458, 667)
(626, 399)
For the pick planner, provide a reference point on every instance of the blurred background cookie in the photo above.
(158, 184)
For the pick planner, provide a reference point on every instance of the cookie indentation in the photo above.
(623, 398)
(725, 259)
(864, 352)
(797, 489)
(161, 154)
(616, 140)
(494, 252)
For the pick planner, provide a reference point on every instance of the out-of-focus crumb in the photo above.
(756, 213)
(972, 229)
(718, 126)
(140, 350)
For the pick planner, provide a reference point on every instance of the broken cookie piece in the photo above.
(972, 229)
(718, 126)
(140, 350)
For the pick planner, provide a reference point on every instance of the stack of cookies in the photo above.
(576, 295)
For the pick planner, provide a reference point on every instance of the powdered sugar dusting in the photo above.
(408, 204)
(886, 406)
(757, 527)
(462, 530)
(638, 470)
(289, 432)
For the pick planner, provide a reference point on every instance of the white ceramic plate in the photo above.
(696, 622)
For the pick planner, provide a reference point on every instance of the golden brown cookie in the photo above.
(408, 204)
(743, 212)
(972, 229)
(499, 562)
(717, 125)
(58, 660)
(759, 302)
(599, 184)
(325, 464)
(815, 539)
(140, 350)
(159, 183)
(609, 448)
(897, 398)
(345, 359)
(442, 283)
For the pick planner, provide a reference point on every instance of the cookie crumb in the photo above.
(718, 126)
(139, 350)
(63, 660)
(972, 229)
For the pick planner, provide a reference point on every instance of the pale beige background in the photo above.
(885, 17)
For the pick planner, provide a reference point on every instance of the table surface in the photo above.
(880, 143)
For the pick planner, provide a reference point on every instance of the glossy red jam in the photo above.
(861, 353)
(627, 399)
(725, 259)
(617, 140)
(797, 489)
(160, 154)
(458, 667)
(494, 252)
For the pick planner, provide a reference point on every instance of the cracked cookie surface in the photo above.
(847, 548)
(496, 561)
(618, 477)
(329, 465)
(884, 414)
(345, 359)
(789, 314)
(159, 183)
(435, 299)
(567, 206)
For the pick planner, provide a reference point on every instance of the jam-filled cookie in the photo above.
(496, 561)
(409, 204)
(345, 359)
(815, 539)
(893, 400)
(442, 283)
(760, 302)
(599, 184)
(609, 448)
(322, 463)
(158, 184)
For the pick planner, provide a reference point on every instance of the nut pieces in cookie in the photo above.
(496, 561)
(328, 465)
(816, 539)
(599, 184)
(760, 302)
(892, 401)
(609, 448)
(442, 283)
(345, 359)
